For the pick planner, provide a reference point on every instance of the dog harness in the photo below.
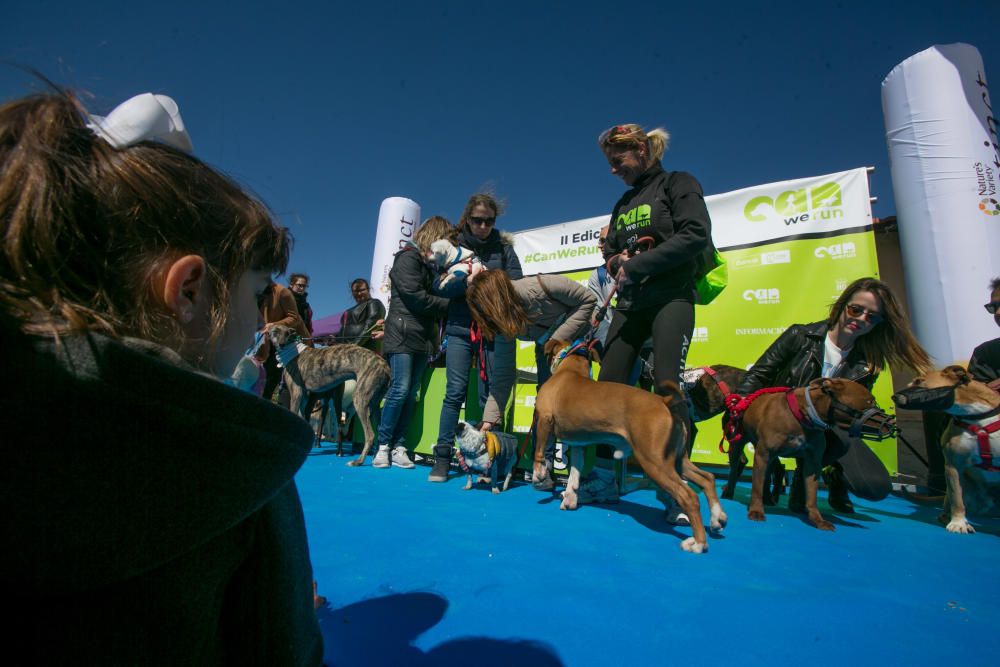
(982, 434)
(289, 351)
(736, 405)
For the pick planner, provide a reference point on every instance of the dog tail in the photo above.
(674, 401)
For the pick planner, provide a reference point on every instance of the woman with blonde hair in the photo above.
(659, 232)
(864, 331)
(410, 337)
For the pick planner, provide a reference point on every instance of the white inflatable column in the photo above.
(398, 219)
(942, 137)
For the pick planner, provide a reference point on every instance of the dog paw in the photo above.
(960, 526)
(496, 491)
(691, 545)
(823, 524)
(569, 501)
(355, 463)
(756, 515)
(719, 519)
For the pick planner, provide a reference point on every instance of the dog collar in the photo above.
(811, 411)
(288, 352)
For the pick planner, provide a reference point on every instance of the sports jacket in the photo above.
(679, 224)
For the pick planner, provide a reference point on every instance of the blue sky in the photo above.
(325, 109)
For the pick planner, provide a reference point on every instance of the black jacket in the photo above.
(680, 226)
(796, 358)
(152, 509)
(305, 310)
(985, 362)
(357, 322)
(411, 326)
(495, 252)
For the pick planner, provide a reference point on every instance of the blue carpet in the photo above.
(428, 574)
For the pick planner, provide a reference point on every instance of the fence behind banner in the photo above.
(792, 247)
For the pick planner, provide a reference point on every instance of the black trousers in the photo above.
(670, 326)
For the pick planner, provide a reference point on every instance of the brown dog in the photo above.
(976, 409)
(775, 430)
(580, 412)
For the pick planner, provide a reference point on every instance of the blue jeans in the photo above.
(458, 361)
(407, 372)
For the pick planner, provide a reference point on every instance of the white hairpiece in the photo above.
(142, 118)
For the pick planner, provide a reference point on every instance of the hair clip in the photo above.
(144, 117)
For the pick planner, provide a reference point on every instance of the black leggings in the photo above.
(670, 325)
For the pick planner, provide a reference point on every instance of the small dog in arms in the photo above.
(458, 262)
(492, 454)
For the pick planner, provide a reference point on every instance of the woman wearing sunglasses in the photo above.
(866, 330)
(476, 231)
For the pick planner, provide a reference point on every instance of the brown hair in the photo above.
(88, 229)
(891, 339)
(295, 276)
(480, 198)
(434, 228)
(630, 136)
(495, 305)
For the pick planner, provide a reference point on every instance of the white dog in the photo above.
(458, 262)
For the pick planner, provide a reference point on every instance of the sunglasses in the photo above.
(856, 311)
(992, 307)
(488, 222)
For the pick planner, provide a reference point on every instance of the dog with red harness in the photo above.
(972, 442)
(783, 421)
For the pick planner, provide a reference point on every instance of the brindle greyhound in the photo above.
(313, 371)
(580, 412)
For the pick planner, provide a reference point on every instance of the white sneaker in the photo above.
(400, 457)
(381, 459)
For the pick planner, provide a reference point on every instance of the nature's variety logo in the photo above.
(634, 218)
(844, 250)
(989, 206)
(823, 202)
(763, 295)
(776, 257)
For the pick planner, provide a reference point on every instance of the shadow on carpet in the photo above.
(381, 631)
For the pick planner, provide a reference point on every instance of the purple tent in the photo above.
(327, 326)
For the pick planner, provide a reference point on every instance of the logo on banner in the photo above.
(836, 251)
(823, 202)
(699, 335)
(989, 206)
(764, 295)
(776, 257)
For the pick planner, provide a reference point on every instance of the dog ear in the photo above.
(828, 385)
(958, 373)
(552, 347)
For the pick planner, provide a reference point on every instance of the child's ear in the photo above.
(183, 289)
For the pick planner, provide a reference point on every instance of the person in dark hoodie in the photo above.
(476, 231)
(659, 229)
(411, 332)
(298, 283)
(148, 506)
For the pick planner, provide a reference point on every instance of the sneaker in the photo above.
(439, 473)
(675, 516)
(381, 459)
(597, 487)
(400, 457)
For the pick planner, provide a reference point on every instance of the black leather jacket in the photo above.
(358, 322)
(796, 358)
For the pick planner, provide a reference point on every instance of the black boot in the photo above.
(797, 494)
(836, 484)
(442, 464)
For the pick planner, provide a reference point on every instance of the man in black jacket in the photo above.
(985, 362)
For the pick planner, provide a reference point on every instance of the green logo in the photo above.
(634, 218)
(793, 206)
